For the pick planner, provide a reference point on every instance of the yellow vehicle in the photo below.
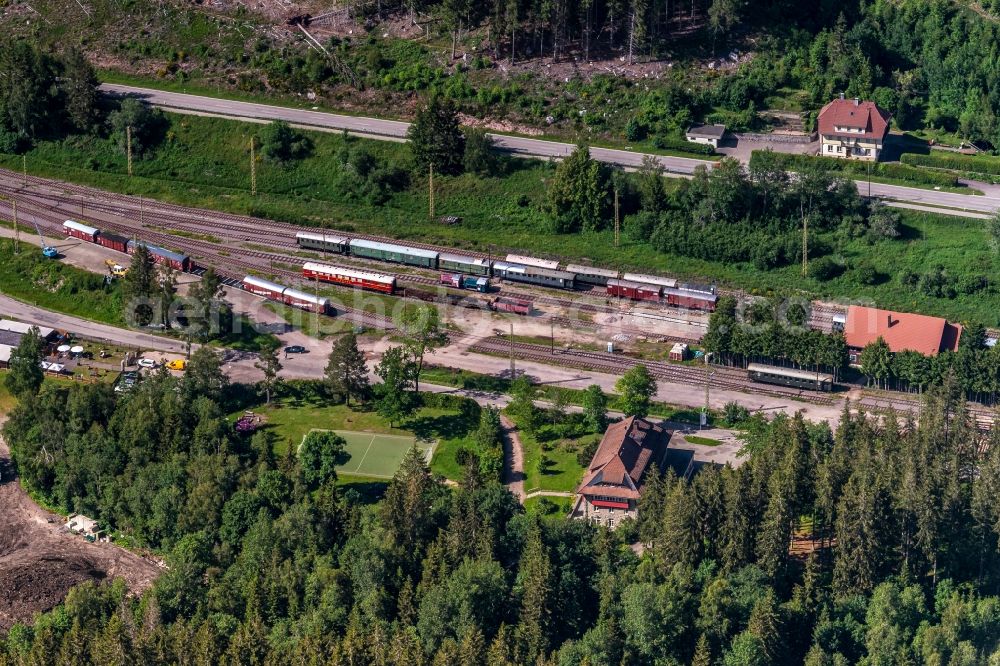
(177, 364)
(115, 268)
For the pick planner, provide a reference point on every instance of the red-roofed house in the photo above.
(902, 331)
(615, 479)
(852, 129)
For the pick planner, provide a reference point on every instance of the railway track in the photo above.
(722, 378)
(202, 253)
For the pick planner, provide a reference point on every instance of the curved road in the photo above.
(396, 130)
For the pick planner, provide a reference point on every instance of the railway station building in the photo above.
(902, 331)
(615, 479)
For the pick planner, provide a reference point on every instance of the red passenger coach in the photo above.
(349, 277)
(265, 288)
(81, 231)
(306, 301)
(635, 291)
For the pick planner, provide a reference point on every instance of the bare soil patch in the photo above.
(40, 561)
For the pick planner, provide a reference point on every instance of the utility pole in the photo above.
(708, 380)
(552, 336)
(430, 190)
(17, 234)
(512, 368)
(140, 211)
(617, 225)
(128, 148)
(805, 242)
(253, 168)
(24, 169)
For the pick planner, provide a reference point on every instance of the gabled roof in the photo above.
(623, 456)
(902, 331)
(855, 114)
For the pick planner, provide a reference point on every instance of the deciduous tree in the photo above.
(637, 388)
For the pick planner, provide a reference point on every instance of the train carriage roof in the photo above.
(324, 238)
(392, 247)
(462, 259)
(263, 284)
(591, 270)
(550, 264)
(70, 224)
(306, 297)
(651, 279)
(687, 293)
(789, 372)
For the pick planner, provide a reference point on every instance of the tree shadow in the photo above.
(445, 426)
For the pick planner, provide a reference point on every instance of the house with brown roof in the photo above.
(852, 129)
(616, 477)
(902, 331)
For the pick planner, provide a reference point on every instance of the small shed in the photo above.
(5, 351)
(679, 352)
(707, 134)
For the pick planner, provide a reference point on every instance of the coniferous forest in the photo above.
(876, 542)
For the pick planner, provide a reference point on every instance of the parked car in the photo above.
(147, 363)
(177, 364)
(296, 349)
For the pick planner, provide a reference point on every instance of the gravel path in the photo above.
(513, 459)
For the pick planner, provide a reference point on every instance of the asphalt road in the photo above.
(528, 147)
(11, 307)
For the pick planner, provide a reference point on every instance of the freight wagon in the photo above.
(801, 379)
(306, 301)
(399, 254)
(532, 275)
(349, 277)
(592, 275)
(81, 231)
(465, 282)
(463, 264)
(635, 291)
(324, 242)
(515, 305)
(113, 241)
(693, 300)
(175, 260)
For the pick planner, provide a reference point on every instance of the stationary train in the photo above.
(518, 268)
(801, 379)
(286, 295)
(175, 260)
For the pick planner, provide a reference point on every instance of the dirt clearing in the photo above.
(40, 561)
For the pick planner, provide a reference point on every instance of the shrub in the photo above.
(281, 143)
(683, 145)
(824, 269)
(733, 412)
(954, 161)
(860, 169)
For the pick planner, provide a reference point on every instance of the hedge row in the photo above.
(955, 161)
(857, 169)
(682, 145)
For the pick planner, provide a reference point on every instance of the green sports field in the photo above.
(375, 454)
